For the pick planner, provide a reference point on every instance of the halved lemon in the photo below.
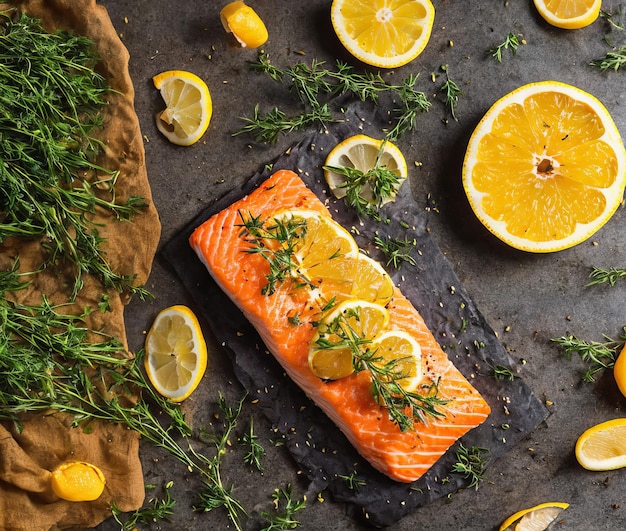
(603, 446)
(188, 108)
(400, 349)
(536, 518)
(619, 371)
(353, 324)
(244, 23)
(77, 481)
(545, 168)
(363, 153)
(325, 252)
(176, 353)
(569, 14)
(383, 33)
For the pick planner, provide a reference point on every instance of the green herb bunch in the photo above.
(50, 186)
(314, 83)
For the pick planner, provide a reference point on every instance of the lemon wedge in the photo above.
(189, 107)
(77, 481)
(176, 353)
(244, 23)
(536, 518)
(603, 446)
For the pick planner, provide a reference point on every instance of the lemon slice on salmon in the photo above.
(400, 357)
(325, 253)
(351, 325)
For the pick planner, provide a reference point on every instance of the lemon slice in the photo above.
(570, 14)
(77, 481)
(176, 353)
(325, 252)
(545, 168)
(244, 23)
(536, 518)
(619, 371)
(371, 282)
(384, 33)
(351, 324)
(362, 152)
(188, 108)
(401, 349)
(603, 446)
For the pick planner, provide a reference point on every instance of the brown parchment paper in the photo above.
(27, 455)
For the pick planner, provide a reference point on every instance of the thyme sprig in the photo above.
(610, 276)
(613, 60)
(50, 105)
(256, 452)
(275, 241)
(597, 355)
(396, 250)
(314, 82)
(157, 509)
(451, 92)
(471, 464)
(511, 42)
(404, 407)
(283, 516)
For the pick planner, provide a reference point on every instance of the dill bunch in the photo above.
(50, 187)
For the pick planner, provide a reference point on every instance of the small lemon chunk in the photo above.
(78, 481)
(244, 23)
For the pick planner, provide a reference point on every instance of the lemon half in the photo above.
(545, 168)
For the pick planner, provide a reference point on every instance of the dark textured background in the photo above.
(526, 299)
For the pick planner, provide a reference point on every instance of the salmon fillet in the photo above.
(404, 456)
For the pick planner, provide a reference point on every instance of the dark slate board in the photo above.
(319, 448)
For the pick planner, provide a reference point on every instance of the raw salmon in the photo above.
(403, 456)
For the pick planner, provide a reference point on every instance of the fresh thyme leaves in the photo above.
(610, 276)
(471, 464)
(274, 241)
(396, 250)
(283, 516)
(451, 92)
(595, 354)
(313, 82)
(611, 18)
(50, 104)
(353, 482)
(156, 510)
(511, 42)
(403, 407)
(267, 128)
(500, 372)
(613, 60)
(255, 452)
(216, 494)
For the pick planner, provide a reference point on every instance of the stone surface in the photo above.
(527, 299)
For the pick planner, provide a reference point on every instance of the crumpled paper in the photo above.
(46, 440)
(316, 444)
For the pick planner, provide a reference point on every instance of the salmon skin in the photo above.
(404, 456)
